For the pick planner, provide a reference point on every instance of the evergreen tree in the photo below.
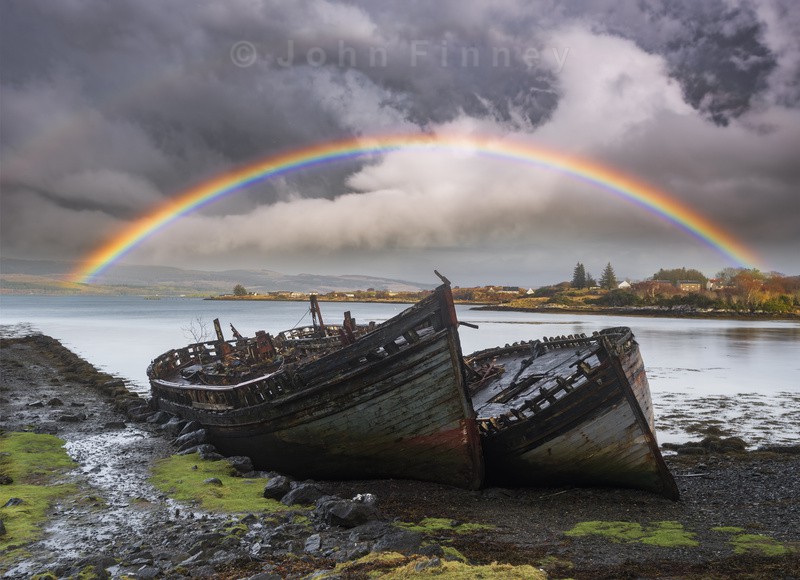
(590, 281)
(239, 290)
(579, 276)
(608, 280)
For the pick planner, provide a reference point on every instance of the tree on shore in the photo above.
(198, 330)
(579, 276)
(239, 290)
(608, 280)
(676, 275)
(590, 281)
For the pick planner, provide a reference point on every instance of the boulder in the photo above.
(130, 403)
(241, 463)
(197, 558)
(173, 426)
(191, 439)
(55, 402)
(139, 412)
(213, 481)
(70, 418)
(211, 455)
(304, 494)
(370, 531)
(201, 449)
(147, 572)
(398, 540)
(345, 513)
(367, 498)
(313, 543)
(277, 487)
(385, 537)
(159, 417)
(189, 427)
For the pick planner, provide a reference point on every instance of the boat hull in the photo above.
(599, 433)
(407, 415)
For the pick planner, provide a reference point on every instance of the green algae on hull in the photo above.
(666, 534)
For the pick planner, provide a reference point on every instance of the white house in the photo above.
(624, 285)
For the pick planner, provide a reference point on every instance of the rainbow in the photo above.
(646, 196)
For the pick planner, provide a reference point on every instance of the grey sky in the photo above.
(108, 109)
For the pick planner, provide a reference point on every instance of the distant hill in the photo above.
(48, 277)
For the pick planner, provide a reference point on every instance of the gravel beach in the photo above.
(737, 517)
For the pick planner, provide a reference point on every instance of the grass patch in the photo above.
(34, 462)
(182, 477)
(753, 543)
(728, 530)
(396, 566)
(436, 525)
(459, 571)
(667, 534)
(451, 553)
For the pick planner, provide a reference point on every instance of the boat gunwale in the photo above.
(296, 381)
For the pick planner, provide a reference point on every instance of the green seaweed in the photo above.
(182, 477)
(452, 554)
(669, 534)
(423, 568)
(666, 534)
(753, 543)
(35, 463)
(392, 565)
(744, 543)
(728, 529)
(434, 525)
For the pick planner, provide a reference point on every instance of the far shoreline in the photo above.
(594, 311)
(649, 312)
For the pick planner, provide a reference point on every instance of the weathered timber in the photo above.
(578, 412)
(391, 403)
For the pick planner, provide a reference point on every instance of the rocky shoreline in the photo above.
(736, 518)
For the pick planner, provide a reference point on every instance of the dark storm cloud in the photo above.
(108, 108)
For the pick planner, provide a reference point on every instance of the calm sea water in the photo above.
(752, 367)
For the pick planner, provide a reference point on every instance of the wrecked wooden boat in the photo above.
(385, 401)
(570, 410)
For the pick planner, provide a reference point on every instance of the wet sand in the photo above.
(737, 516)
